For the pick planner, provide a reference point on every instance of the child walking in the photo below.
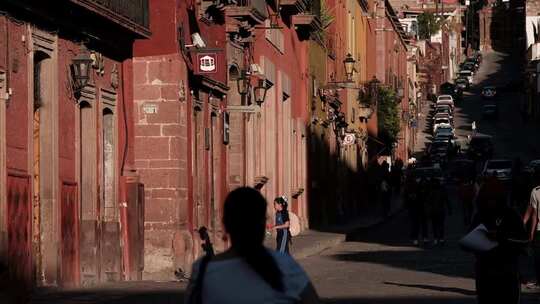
(283, 237)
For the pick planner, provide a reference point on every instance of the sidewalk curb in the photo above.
(320, 241)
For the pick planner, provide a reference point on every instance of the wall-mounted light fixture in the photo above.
(80, 69)
(260, 91)
(349, 63)
(243, 83)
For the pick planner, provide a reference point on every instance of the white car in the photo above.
(500, 168)
(441, 122)
(445, 97)
(446, 102)
(442, 116)
(467, 74)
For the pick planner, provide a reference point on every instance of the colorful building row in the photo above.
(122, 133)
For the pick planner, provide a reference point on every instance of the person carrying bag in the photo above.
(497, 238)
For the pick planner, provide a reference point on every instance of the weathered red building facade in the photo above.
(69, 200)
(392, 68)
(201, 126)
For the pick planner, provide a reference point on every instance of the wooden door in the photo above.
(19, 217)
(69, 231)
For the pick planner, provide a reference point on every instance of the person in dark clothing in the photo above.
(532, 218)
(283, 238)
(437, 206)
(497, 270)
(206, 242)
(423, 192)
(412, 202)
(466, 193)
(396, 175)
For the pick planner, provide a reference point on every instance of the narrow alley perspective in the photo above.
(270, 151)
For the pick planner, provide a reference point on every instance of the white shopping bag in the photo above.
(478, 240)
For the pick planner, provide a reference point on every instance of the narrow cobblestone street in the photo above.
(379, 264)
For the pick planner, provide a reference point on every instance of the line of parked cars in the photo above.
(467, 70)
(443, 144)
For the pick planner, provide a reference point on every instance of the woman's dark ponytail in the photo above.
(244, 218)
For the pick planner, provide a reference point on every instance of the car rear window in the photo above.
(499, 164)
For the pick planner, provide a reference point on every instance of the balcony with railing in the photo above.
(308, 21)
(254, 11)
(130, 14)
(295, 5)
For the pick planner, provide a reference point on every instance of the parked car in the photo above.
(462, 170)
(490, 111)
(444, 131)
(450, 140)
(467, 74)
(445, 97)
(444, 109)
(438, 147)
(470, 65)
(480, 147)
(478, 57)
(501, 168)
(447, 102)
(462, 83)
(430, 172)
(442, 115)
(489, 92)
(533, 166)
(442, 124)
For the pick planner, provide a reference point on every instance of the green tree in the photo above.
(428, 25)
(388, 116)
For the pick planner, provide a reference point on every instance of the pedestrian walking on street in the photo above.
(497, 270)
(466, 193)
(532, 217)
(437, 207)
(396, 175)
(386, 196)
(248, 272)
(412, 202)
(473, 128)
(283, 222)
(423, 193)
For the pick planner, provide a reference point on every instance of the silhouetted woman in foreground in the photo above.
(248, 272)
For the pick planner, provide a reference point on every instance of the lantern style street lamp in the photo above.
(349, 63)
(242, 83)
(260, 92)
(80, 68)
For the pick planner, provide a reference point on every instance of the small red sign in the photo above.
(207, 63)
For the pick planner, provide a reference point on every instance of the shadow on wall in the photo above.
(13, 289)
(338, 192)
(508, 27)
